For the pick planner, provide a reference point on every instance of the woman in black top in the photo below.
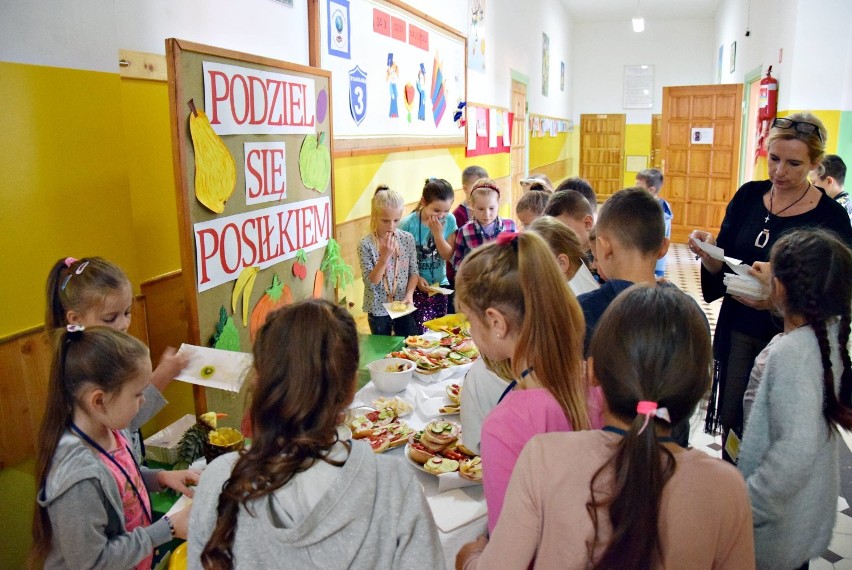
(760, 213)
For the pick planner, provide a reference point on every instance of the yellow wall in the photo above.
(829, 118)
(65, 186)
(356, 178)
(547, 150)
(148, 151)
(637, 142)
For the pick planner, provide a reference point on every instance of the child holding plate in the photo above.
(434, 232)
(388, 267)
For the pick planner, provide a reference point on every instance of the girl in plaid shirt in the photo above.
(486, 225)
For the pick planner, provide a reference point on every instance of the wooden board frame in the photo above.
(379, 145)
(183, 159)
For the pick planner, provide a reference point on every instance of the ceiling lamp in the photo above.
(638, 20)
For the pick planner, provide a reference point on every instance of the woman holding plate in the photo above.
(760, 213)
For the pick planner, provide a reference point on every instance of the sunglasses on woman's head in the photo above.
(800, 126)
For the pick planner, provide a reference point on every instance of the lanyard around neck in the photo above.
(621, 432)
(513, 383)
(112, 459)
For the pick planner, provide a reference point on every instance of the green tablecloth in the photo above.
(374, 347)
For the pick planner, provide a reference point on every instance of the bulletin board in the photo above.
(399, 75)
(252, 140)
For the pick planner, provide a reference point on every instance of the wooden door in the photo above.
(700, 178)
(602, 153)
(656, 158)
(519, 145)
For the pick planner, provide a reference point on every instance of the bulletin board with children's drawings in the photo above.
(398, 76)
(253, 167)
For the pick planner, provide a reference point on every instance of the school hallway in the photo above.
(683, 270)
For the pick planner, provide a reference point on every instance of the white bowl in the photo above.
(391, 382)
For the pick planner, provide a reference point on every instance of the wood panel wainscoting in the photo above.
(25, 360)
(556, 171)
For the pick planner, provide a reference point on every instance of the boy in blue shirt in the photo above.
(651, 180)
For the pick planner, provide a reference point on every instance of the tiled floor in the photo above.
(683, 270)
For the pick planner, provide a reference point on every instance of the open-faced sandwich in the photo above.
(438, 465)
(399, 433)
(379, 440)
(420, 342)
(417, 451)
(471, 469)
(438, 435)
(361, 427)
(454, 393)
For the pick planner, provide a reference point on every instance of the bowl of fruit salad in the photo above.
(391, 374)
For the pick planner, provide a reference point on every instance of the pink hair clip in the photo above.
(69, 261)
(648, 409)
(506, 238)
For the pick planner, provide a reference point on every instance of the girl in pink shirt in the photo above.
(628, 496)
(520, 308)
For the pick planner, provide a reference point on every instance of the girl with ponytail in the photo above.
(300, 497)
(521, 309)
(627, 496)
(93, 508)
(789, 453)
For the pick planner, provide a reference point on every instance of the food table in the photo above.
(373, 347)
(459, 513)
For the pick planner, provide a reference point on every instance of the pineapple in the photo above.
(191, 445)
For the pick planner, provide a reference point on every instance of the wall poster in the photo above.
(252, 144)
(400, 79)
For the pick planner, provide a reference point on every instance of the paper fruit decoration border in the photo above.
(315, 163)
(277, 295)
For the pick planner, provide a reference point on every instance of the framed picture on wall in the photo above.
(733, 57)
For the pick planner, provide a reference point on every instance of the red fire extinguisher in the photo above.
(767, 107)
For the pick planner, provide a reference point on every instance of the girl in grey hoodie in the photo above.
(789, 454)
(93, 509)
(299, 497)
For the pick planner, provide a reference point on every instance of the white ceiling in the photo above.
(610, 10)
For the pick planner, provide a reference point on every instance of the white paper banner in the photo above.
(265, 172)
(261, 238)
(245, 101)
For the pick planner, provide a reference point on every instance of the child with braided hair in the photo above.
(789, 453)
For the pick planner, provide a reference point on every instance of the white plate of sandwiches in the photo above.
(398, 309)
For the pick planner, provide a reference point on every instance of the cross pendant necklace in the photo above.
(763, 237)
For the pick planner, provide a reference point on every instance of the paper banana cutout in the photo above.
(215, 170)
(244, 286)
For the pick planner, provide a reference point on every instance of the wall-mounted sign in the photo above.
(701, 136)
(638, 87)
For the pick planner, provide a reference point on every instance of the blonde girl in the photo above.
(93, 508)
(569, 255)
(520, 308)
(388, 266)
(92, 291)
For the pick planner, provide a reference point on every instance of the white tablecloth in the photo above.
(426, 398)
